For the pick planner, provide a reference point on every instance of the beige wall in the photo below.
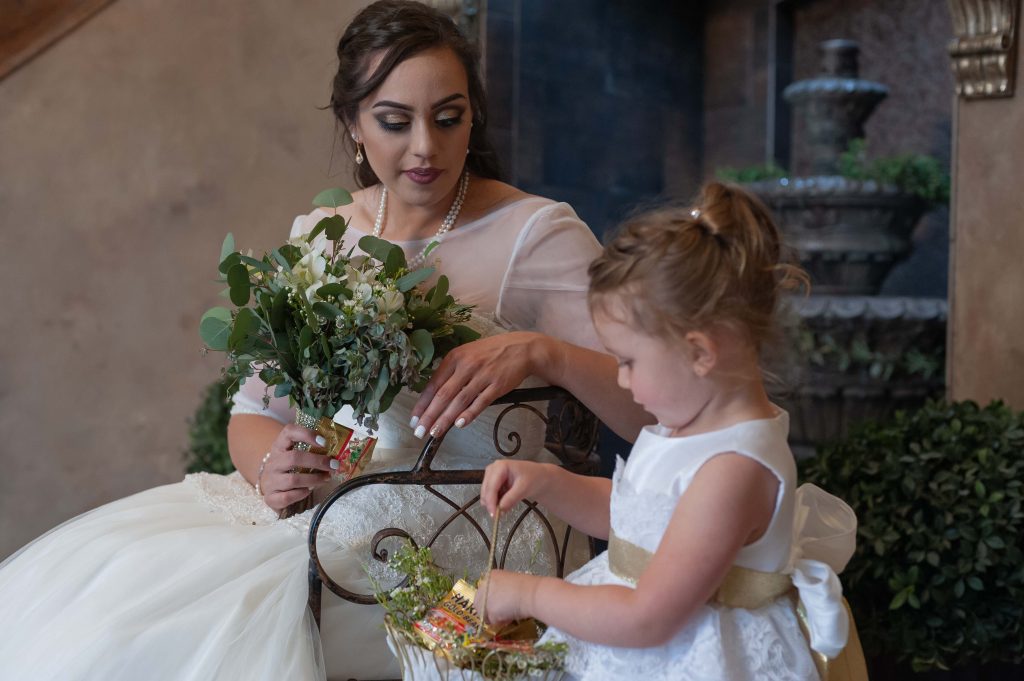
(987, 269)
(127, 151)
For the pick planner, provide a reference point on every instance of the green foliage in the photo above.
(329, 329)
(938, 575)
(916, 174)
(922, 176)
(208, 431)
(824, 351)
(423, 587)
(767, 171)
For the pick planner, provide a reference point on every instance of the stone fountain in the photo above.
(865, 354)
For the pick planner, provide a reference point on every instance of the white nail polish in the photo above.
(414, 421)
(420, 432)
(335, 464)
(460, 422)
(320, 440)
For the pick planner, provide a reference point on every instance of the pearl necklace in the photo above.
(446, 224)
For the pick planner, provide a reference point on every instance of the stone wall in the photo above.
(128, 150)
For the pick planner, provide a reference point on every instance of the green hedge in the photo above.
(938, 576)
(208, 431)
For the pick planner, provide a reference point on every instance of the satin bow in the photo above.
(824, 539)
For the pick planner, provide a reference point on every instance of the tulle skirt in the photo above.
(200, 579)
(158, 586)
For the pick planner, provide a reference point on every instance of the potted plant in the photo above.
(937, 581)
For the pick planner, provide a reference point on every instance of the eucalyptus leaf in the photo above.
(375, 247)
(215, 327)
(394, 261)
(246, 323)
(228, 262)
(464, 333)
(257, 264)
(305, 337)
(327, 311)
(281, 260)
(228, 247)
(381, 386)
(436, 295)
(336, 290)
(423, 342)
(336, 227)
(279, 310)
(409, 281)
(332, 198)
(238, 280)
(389, 396)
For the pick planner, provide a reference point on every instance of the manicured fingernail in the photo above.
(413, 421)
(335, 464)
(420, 432)
(320, 440)
(435, 431)
(460, 422)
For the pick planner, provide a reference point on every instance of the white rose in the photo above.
(391, 301)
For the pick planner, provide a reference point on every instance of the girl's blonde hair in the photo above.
(674, 270)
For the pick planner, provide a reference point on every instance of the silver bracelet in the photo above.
(259, 475)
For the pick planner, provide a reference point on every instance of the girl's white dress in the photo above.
(200, 580)
(811, 536)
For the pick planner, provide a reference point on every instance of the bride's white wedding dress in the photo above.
(201, 580)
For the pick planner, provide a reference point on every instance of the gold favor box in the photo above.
(456, 615)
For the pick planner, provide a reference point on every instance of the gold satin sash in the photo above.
(752, 589)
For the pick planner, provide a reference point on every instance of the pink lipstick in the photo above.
(423, 175)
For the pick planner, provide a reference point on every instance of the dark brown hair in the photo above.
(678, 269)
(401, 29)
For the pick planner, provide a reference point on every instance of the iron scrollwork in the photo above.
(571, 434)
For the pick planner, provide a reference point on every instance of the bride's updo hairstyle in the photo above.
(679, 269)
(400, 29)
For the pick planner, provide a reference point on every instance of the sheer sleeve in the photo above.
(545, 286)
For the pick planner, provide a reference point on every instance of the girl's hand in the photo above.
(506, 483)
(508, 596)
(280, 482)
(471, 376)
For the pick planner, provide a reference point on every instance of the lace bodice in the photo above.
(647, 488)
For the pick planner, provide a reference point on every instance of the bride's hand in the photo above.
(280, 484)
(471, 376)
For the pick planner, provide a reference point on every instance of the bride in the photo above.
(201, 579)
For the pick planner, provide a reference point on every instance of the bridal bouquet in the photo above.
(330, 329)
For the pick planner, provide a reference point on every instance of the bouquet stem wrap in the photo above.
(352, 450)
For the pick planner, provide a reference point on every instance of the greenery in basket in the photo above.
(208, 431)
(938, 576)
(330, 329)
(423, 586)
(917, 174)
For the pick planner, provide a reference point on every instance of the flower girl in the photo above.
(707, 533)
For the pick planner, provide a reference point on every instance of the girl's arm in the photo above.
(729, 504)
(580, 500)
